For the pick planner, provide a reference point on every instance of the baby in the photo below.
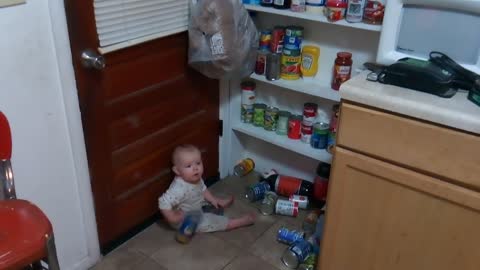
(187, 192)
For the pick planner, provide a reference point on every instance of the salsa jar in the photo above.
(335, 10)
(342, 69)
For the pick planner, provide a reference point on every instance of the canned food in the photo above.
(276, 44)
(355, 10)
(272, 69)
(257, 191)
(289, 237)
(265, 38)
(320, 136)
(248, 98)
(188, 227)
(270, 120)
(244, 167)
(287, 208)
(259, 114)
(290, 65)
(296, 253)
(307, 132)
(293, 37)
(309, 263)
(282, 123)
(309, 113)
(374, 11)
(267, 207)
(298, 6)
(294, 127)
(261, 61)
(301, 200)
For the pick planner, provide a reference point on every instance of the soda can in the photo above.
(296, 253)
(289, 237)
(287, 208)
(188, 227)
(265, 38)
(272, 68)
(320, 136)
(257, 191)
(293, 37)
(294, 127)
(267, 206)
(276, 44)
(301, 200)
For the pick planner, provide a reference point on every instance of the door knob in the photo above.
(91, 59)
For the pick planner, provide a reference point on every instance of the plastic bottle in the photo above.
(288, 185)
(310, 55)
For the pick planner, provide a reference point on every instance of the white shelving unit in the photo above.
(306, 86)
(266, 148)
(283, 141)
(313, 17)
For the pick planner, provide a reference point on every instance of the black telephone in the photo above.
(440, 76)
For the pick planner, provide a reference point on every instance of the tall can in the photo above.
(261, 61)
(248, 99)
(355, 10)
(295, 127)
(320, 136)
(272, 69)
(265, 38)
(296, 253)
(293, 37)
(278, 36)
(259, 114)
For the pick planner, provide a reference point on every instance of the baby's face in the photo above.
(190, 166)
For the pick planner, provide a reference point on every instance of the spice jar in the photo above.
(335, 10)
(342, 69)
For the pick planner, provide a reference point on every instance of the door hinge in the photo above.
(220, 128)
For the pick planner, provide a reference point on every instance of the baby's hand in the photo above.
(224, 203)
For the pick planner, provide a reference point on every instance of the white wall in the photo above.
(38, 95)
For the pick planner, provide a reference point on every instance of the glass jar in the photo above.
(342, 69)
(335, 10)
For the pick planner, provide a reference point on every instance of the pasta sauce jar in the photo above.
(342, 69)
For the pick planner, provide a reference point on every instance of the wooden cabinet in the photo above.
(385, 213)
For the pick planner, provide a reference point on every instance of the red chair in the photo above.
(26, 234)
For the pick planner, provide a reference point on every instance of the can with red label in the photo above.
(342, 69)
(301, 200)
(309, 113)
(307, 132)
(276, 43)
(287, 208)
(261, 61)
(294, 127)
(374, 11)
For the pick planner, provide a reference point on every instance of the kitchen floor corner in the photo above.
(253, 247)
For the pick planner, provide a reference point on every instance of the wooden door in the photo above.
(135, 111)
(381, 216)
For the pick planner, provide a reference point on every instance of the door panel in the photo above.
(381, 216)
(135, 111)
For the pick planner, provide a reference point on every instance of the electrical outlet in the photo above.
(6, 3)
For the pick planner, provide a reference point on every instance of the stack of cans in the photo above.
(291, 57)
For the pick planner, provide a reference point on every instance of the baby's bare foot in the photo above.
(224, 203)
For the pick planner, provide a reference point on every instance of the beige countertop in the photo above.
(457, 112)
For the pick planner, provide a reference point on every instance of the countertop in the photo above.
(456, 112)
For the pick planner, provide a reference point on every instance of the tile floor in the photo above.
(253, 247)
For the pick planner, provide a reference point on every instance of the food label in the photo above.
(290, 67)
(217, 44)
(288, 208)
(278, 2)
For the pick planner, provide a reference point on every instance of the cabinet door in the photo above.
(384, 217)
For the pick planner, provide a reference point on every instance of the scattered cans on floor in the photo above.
(319, 138)
(287, 208)
(286, 236)
(301, 200)
(296, 253)
(257, 191)
(244, 167)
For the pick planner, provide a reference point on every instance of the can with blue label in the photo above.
(289, 237)
(257, 191)
(188, 227)
(319, 138)
(296, 253)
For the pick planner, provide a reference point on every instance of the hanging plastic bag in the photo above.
(222, 38)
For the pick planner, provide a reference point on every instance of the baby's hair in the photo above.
(182, 149)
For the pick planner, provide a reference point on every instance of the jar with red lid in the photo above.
(335, 10)
(342, 69)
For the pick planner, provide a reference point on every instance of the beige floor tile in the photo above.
(204, 252)
(120, 259)
(268, 248)
(152, 239)
(249, 261)
(235, 186)
(245, 237)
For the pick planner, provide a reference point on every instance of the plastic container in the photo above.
(310, 56)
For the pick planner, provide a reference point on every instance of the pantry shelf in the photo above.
(303, 86)
(284, 142)
(312, 17)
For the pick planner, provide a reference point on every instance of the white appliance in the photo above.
(414, 28)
